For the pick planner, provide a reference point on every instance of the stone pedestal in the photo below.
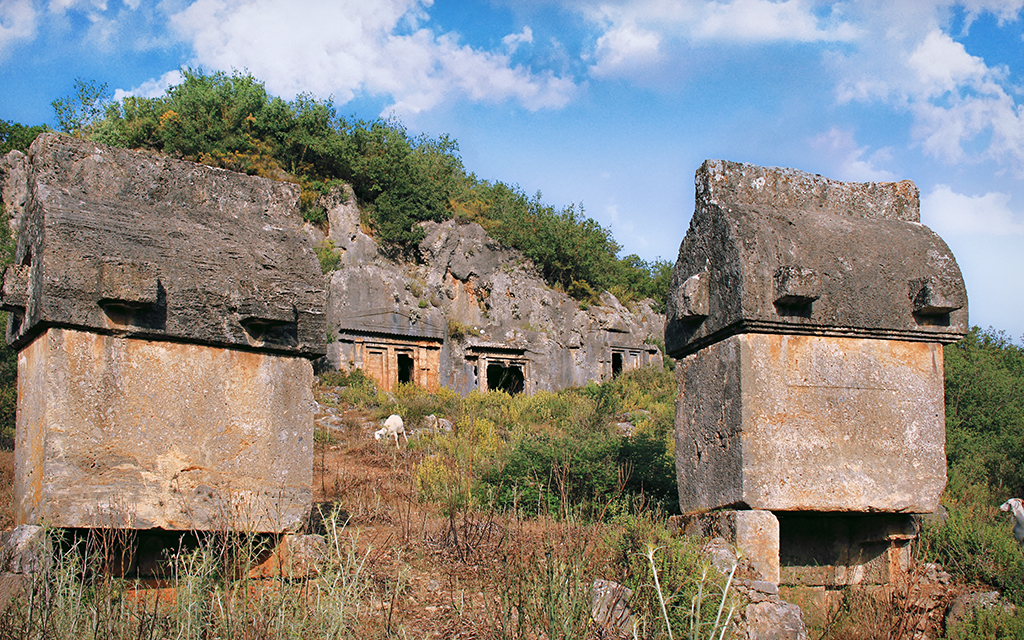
(754, 533)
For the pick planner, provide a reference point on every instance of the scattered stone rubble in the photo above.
(808, 317)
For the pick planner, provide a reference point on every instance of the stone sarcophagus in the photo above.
(808, 317)
(165, 315)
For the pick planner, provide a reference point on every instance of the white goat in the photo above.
(392, 427)
(1016, 507)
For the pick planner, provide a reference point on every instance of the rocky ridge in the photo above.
(472, 295)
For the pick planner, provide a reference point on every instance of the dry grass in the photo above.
(910, 608)
(424, 570)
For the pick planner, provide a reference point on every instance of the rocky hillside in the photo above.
(469, 302)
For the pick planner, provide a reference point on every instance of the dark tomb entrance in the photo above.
(404, 367)
(505, 378)
(616, 364)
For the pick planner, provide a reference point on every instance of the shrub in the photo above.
(329, 257)
(987, 624)
(544, 472)
(985, 410)
(975, 544)
(674, 586)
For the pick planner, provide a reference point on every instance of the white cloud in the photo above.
(17, 22)
(640, 34)
(625, 46)
(153, 88)
(513, 40)
(61, 6)
(348, 48)
(767, 21)
(954, 214)
(850, 161)
(943, 65)
(963, 109)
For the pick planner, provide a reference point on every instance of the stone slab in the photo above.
(130, 243)
(122, 432)
(811, 423)
(817, 604)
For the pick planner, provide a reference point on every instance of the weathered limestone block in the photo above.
(811, 423)
(165, 314)
(25, 550)
(773, 621)
(128, 243)
(127, 433)
(809, 316)
(779, 250)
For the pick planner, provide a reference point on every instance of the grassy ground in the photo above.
(434, 546)
(420, 557)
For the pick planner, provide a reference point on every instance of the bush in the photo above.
(14, 136)
(985, 410)
(976, 544)
(989, 625)
(328, 256)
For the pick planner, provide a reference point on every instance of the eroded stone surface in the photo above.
(128, 433)
(25, 550)
(779, 250)
(770, 620)
(809, 423)
(129, 243)
(471, 306)
(754, 533)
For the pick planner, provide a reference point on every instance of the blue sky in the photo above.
(613, 105)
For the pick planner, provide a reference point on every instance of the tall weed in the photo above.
(78, 596)
(675, 589)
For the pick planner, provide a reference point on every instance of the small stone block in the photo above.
(755, 533)
(296, 556)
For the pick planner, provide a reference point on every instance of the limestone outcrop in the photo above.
(473, 315)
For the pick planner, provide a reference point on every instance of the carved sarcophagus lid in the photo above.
(774, 250)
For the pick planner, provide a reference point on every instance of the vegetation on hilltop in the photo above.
(400, 180)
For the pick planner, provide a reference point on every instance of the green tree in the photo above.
(78, 113)
(17, 136)
(985, 410)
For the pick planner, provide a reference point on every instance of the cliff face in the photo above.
(473, 315)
